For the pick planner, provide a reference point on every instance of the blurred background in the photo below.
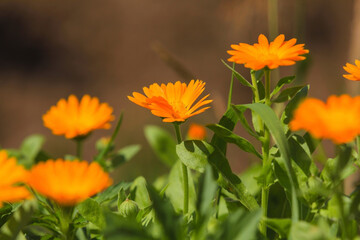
(108, 49)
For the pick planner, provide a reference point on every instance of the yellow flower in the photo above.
(196, 132)
(68, 182)
(173, 102)
(262, 54)
(354, 71)
(337, 119)
(11, 175)
(73, 118)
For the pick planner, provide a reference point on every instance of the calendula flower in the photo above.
(73, 118)
(337, 119)
(196, 132)
(265, 54)
(353, 70)
(11, 176)
(68, 182)
(173, 102)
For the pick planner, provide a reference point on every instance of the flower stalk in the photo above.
(184, 172)
(79, 148)
(265, 144)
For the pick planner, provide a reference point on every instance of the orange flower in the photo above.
(337, 119)
(196, 132)
(11, 175)
(68, 182)
(353, 70)
(73, 118)
(173, 102)
(262, 54)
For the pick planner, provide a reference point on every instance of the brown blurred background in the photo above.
(108, 49)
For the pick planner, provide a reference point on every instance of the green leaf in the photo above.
(166, 216)
(248, 178)
(238, 76)
(299, 154)
(281, 83)
(232, 182)
(240, 113)
(279, 225)
(162, 143)
(231, 137)
(338, 168)
(293, 104)
(229, 121)
(204, 204)
(118, 227)
(174, 190)
(20, 218)
(192, 156)
(273, 124)
(91, 211)
(123, 155)
(29, 149)
(111, 192)
(5, 213)
(287, 94)
(240, 225)
(302, 230)
(142, 197)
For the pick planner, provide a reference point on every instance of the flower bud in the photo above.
(102, 143)
(128, 209)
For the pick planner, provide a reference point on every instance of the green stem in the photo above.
(100, 157)
(184, 172)
(265, 146)
(358, 147)
(218, 202)
(231, 88)
(66, 226)
(343, 218)
(254, 83)
(79, 148)
(267, 87)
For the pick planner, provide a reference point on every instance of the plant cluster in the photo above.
(294, 191)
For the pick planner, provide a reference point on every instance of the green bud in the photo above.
(213, 225)
(102, 143)
(128, 209)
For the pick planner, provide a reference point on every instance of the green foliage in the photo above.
(12, 229)
(174, 190)
(162, 143)
(92, 212)
(285, 194)
(231, 137)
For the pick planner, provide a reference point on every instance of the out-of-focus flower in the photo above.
(196, 132)
(265, 54)
(68, 182)
(74, 119)
(11, 176)
(173, 102)
(337, 119)
(353, 70)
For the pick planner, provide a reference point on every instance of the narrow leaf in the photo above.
(238, 76)
(231, 137)
(287, 94)
(281, 83)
